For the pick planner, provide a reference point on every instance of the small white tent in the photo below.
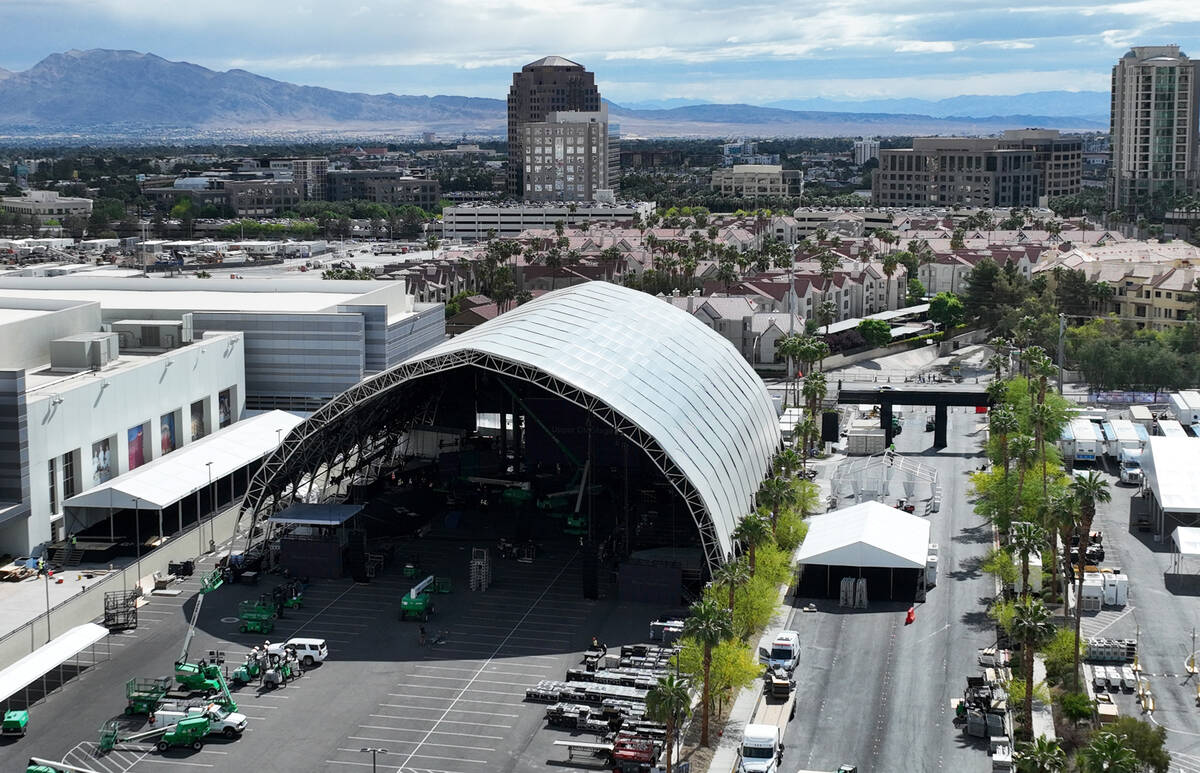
(871, 540)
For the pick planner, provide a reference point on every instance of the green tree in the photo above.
(1147, 742)
(1032, 625)
(876, 332)
(1106, 753)
(947, 310)
(1087, 490)
(775, 494)
(1040, 756)
(669, 701)
(733, 575)
(1026, 538)
(753, 531)
(916, 291)
(709, 624)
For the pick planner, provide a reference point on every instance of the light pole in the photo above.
(1062, 329)
(212, 504)
(46, 575)
(137, 526)
(374, 751)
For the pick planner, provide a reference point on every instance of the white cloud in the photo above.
(925, 47)
(1007, 45)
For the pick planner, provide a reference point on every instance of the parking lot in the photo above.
(448, 708)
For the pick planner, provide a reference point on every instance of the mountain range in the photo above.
(109, 92)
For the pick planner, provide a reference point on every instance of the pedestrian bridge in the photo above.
(940, 396)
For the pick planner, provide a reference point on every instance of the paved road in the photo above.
(876, 693)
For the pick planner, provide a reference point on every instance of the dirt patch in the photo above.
(701, 756)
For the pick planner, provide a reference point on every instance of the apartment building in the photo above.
(758, 180)
(549, 85)
(1155, 94)
(944, 171)
(566, 157)
(865, 150)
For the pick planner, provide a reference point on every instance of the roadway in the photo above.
(875, 693)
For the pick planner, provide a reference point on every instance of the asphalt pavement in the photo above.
(876, 693)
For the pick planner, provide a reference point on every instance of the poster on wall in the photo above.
(168, 433)
(137, 447)
(101, 462)
(225, 407)
(198, 428)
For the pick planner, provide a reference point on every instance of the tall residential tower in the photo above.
(1155, 94)
(552, 84)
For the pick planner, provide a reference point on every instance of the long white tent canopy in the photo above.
(49, 656)
(161, 483)
(868, 534)
(1170, 464)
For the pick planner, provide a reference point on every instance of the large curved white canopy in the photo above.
(659, 367)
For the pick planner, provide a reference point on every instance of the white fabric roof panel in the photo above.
(1186, 540)
(160, 483)
(869, 534)
(1170, 464)
(50, 655)
(659, 367)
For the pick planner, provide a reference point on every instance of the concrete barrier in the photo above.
(88, 605)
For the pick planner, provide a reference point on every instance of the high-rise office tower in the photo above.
(1155, 94)
(551, 84)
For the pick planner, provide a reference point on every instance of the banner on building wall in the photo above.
(225, 407)
(198, 428)
(168, 433)
(101, 461)
(137, 446)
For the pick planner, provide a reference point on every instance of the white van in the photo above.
(308, 651)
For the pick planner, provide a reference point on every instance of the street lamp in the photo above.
(46, 574)
(137, 526)
(212, 504)
(374, 751)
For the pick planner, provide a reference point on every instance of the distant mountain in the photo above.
(1060, 104)
(126, 93)
(661, 104)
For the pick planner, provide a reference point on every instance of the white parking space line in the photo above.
(461, 679)
(157, 761)
(456, 711)
(446, 721)
(389, 728)
(401, 740)
(381, 766)
(509, 693)
(488, 702)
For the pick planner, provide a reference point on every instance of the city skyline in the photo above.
(737, 52)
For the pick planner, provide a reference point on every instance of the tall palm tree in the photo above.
(753, 530)
(1001, 424)
(1026, 538)
(775, 494)
(1107, 753)
(709, 624)
(806, 430)
(1023, 450)
(669, 701)
(1043, 418)
(1087, 490)
(815, 388)
(1040, 755)
(1033, 626)
(733, 575)
(788, 460)
(792, 348)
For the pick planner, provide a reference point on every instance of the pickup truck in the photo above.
(227, 723)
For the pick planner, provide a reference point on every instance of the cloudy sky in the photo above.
(726, 50)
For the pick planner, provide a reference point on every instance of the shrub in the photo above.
(1060, 657)
(734, 666)
(1075, 706)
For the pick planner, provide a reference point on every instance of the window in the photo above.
(53, 489)
(68, 473)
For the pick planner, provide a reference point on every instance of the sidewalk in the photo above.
(1043, 714)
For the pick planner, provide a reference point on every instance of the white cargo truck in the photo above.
(761, 750)
(1130, 460)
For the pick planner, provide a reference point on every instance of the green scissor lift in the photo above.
(191, 676)
(256, 617)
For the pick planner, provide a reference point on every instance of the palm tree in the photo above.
(775, 494)
(1026, 537)
(791, 347)
(890, 264)
(709, 624)
(815, 388)
(669, 701)
(1002, 423)
(1087, 490)
(1033, 626)
(1107, 753)
(753, 530)
(805, 430)
(1042, 417)
(1040, 756)
(733, 575)
(788, 460)
(1023, 450)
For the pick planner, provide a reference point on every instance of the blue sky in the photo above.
(724, 51)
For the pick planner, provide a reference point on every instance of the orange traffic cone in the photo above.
(911, 617)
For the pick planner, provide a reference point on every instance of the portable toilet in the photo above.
(1116, 589)
(1092, 598)
(1035, 573)
(931, 564)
